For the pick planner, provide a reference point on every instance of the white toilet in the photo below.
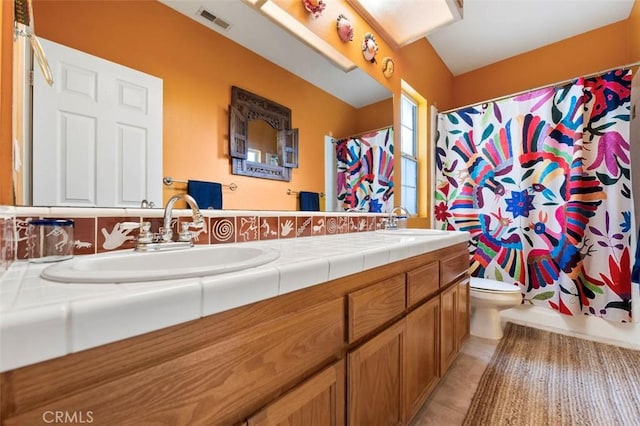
(488, 298)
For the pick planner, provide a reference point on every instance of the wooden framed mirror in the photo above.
(261, 141)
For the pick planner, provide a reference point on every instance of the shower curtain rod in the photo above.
(334, 140)
(634, 64)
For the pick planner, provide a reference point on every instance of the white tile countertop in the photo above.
(41, 319)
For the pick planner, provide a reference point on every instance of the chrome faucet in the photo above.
(391, 221)
(184, 235)
(163, 240)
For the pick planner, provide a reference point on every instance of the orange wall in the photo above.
(325, 27)
(6, 54)
(198, 68)
(374, 116)
(426, 73)
(634, 33)
(590, 52)
(195, 125)
(417, 63)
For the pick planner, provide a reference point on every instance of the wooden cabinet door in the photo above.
(422, 346)
(318, 401)
(220, 384)
(463, 313)
(448, 318)
(375, 379)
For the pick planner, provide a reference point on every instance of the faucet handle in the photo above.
(166, 234)
(185, 234)
(145, 236)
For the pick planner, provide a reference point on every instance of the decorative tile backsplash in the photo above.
(104, 230)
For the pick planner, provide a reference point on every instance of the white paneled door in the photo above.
(97, 133)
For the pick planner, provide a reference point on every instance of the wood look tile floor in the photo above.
(449, 402)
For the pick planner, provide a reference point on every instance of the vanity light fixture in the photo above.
(401, 22)
(304, 34)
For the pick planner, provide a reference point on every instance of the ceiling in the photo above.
(491, 30)
(256, 32)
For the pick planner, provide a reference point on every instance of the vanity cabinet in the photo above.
(454, 322)
(422, 336)
(187, 375)
(373, 306)
(319, 400)
(375, 379)
(463, 311)
(422, 371)
(364, 349)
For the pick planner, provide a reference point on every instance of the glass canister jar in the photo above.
(50, 240)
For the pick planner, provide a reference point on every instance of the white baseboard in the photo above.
(585, 327)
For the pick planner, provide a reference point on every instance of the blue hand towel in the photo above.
(208, 195)
(309, 201)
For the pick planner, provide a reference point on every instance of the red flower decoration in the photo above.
(442, 212)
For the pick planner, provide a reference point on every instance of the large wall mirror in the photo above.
(262, 143)
(199, 63)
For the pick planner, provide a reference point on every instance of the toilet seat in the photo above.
(488, 298)
(485, 285)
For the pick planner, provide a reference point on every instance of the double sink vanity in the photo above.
(353, 328)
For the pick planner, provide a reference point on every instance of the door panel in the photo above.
(375, 379)
(421, 371)
(448, 315)
(98, 138)
(318, 401)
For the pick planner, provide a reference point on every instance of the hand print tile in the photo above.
(357, 224)
(114, 234)
(287, 227)
(247, 229)
(223, 230)
(303, 226)
(318, 227)
(268, 228)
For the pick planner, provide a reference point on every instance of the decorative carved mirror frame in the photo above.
(246, 106)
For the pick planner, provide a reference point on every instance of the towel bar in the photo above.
(168, 180)
(290, 192)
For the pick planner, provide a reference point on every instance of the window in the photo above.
(254, 155)
(408, 143)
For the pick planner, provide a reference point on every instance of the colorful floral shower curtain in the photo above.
(542, 183)
(365, 171)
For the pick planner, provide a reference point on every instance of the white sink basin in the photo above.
(130, 266)
(414, 232)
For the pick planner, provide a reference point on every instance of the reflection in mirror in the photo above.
(260, 129)
(198, 63)
(263, 143)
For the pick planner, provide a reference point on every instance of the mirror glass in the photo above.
(263, 143)
(356, 88)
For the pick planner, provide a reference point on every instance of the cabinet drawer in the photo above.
(373, 306)
(422, 282)
(453, 266)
